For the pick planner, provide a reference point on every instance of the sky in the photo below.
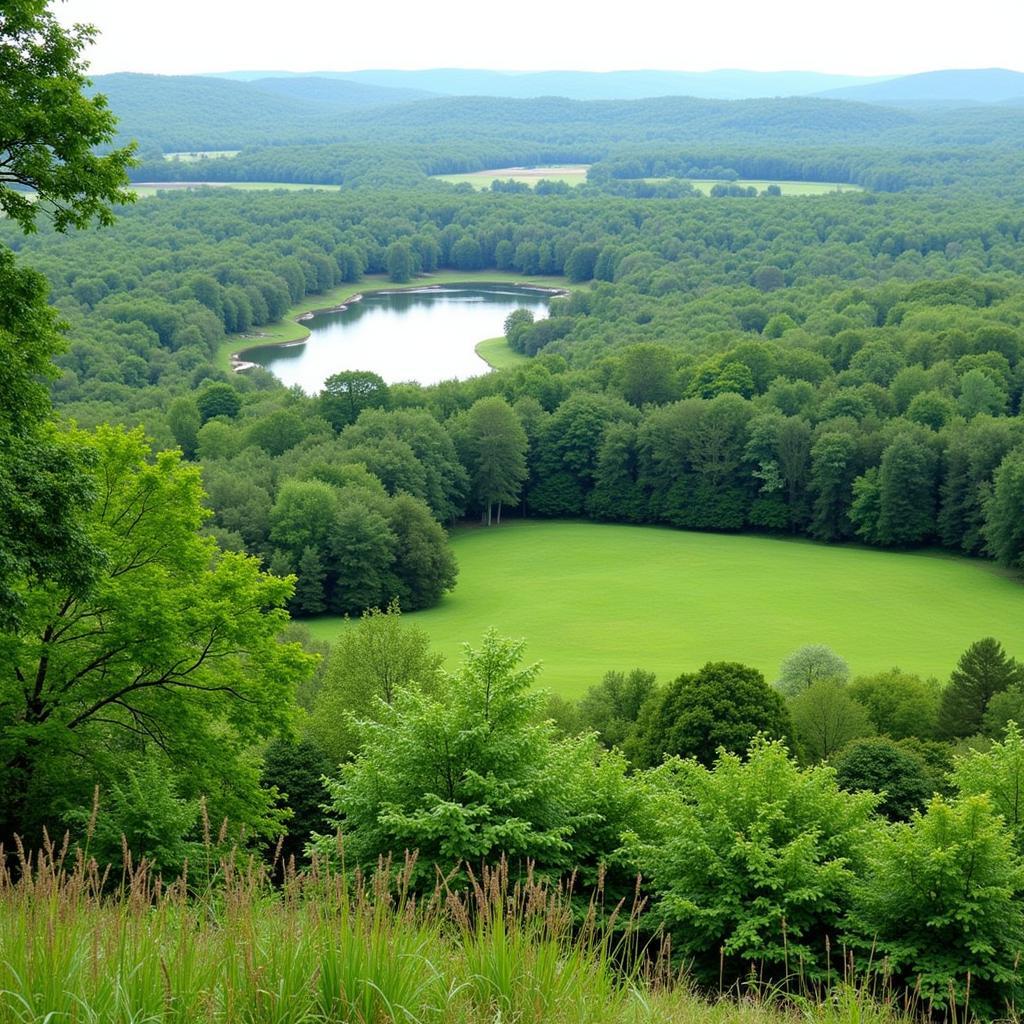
(859, 37)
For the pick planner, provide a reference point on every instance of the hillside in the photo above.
(981, 85)
(338, 92)
(190, 112)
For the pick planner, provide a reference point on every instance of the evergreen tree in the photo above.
(983, 670)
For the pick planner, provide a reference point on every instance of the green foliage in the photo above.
(826, 717)
(142, 812)
(472, 773)
(612, 707)
(895, 503)
(899, 704)
(813, 663)
(372, 660)
(346, 394)
(218, 399)
(44, 487)
(364, 547)
(49, 129)
(753, 859)
(174, 646)
(1004, 524)
(882, 766)
(294, 770)
(939, 907)
(997, 773)
(492, 444)
(724, 705)
(400, 262)
(309, 587)
(983, 670)
(184, 420)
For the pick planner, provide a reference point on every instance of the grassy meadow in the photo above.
(571, 175)
(497, 354)
(591, 597)
(332, 950)
(577, 175)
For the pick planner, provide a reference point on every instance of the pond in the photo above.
(420, 334)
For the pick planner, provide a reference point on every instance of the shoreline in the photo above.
(238, 364)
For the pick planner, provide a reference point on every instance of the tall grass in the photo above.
(81, 945)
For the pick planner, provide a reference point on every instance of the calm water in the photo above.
(426, 335)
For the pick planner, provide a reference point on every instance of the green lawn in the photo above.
(495, 352)
(287, 329)
(571, 175)
(590, 597)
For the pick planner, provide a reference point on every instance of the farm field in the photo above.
(592, 597)
(570, 174)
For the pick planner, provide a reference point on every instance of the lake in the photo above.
(420, 334)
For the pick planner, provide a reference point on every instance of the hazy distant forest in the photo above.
(224, 727)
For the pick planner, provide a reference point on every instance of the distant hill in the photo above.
(664, 119)
(197, 112)
(583, 85)
(982, 85)
(337, 92)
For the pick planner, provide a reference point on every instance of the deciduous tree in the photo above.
(173, 646)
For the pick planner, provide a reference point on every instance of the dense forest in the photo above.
(846, 367)
(797, 138)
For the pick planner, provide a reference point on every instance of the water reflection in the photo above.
(422, 334)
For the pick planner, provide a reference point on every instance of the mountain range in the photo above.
(953, 86)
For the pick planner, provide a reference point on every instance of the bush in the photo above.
(755, 858)
(939, 908)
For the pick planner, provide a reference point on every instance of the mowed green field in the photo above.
(591, 597)
(571, 175)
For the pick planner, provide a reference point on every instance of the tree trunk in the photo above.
(499, 513)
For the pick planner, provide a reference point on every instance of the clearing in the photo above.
(590, 597)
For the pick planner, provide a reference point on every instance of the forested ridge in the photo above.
(848, 368)
(797, 138)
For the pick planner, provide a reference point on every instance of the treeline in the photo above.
(800, 139)
(890, 168)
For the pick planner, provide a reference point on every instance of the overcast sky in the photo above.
(868, 37)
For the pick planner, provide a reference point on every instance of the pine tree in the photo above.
(983, 670)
